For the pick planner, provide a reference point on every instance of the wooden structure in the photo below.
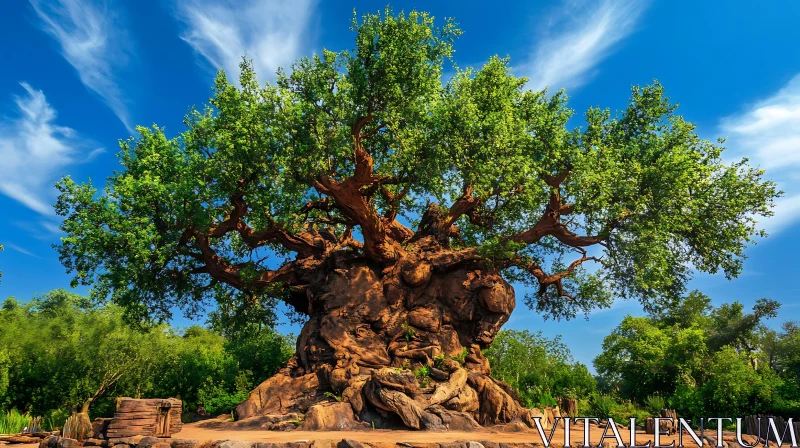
(148, 417)
(756, 427)
(665, 425)
(569, 406)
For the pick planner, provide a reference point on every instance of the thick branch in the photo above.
(381, 235)
(306, 244)
(221, 270)
(550, 225)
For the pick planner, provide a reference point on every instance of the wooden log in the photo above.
(19, 439)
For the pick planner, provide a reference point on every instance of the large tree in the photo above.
(391, 207)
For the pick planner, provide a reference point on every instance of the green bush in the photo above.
(602, 405)
(622, 413)
(54, 419)
(687, 402)
(654, 404)
(546, 399)
(224, 403)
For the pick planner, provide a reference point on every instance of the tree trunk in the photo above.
(401, 344)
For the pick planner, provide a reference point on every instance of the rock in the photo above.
(428, 319)
(280, 394)
(95, 442)
(52, 442)
(287, 425)
(336, 416)
(161, 445)
(64, 442)
(350, 443)
(497, 406)
(99, 427)
(322, 444)
(236, 444)
(448, 390)
(515, 426)
(418, 274)
(489, 444)
(147, 442)
(184, 443)
(404, 381)
(132, 441)
(49, 442)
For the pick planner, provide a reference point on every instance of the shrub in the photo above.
(602, 405)
(624, 412)
(654, 404)
(224, 403)
(687, 402)
(546, 399)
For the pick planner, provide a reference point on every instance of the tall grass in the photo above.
(13, 422)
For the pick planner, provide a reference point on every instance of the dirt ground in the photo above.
(203, 432)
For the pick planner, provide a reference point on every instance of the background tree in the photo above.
(540, 369)
(60, 353)
(704, 360)
(391, 210)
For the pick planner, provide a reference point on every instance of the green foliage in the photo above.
(409, 332)
(545, 399)
(461, 357)
(438, 360)
(537, 367)
(60, 349)
(423, 374)
(622, 413)
(654, 404)
(702, 360)
(641, 181)
(333, 396)
(217, 400)
(13, 422)
(602, 405)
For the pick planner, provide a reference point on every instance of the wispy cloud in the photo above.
(768, 132)
(21, 250)
(272, 33)
(33, 151)
(93, 42)
(577, 38)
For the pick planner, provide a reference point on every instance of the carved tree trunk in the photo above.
(401, 344)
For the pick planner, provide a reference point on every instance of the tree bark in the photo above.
(401, 344)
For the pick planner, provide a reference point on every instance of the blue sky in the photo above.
(77, 75)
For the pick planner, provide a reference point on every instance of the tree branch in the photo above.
(306, 244)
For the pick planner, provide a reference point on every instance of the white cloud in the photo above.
(21, 250)
(33, 151)
(585, 34)
(90, 40)
(768, 132)
(272, 33)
